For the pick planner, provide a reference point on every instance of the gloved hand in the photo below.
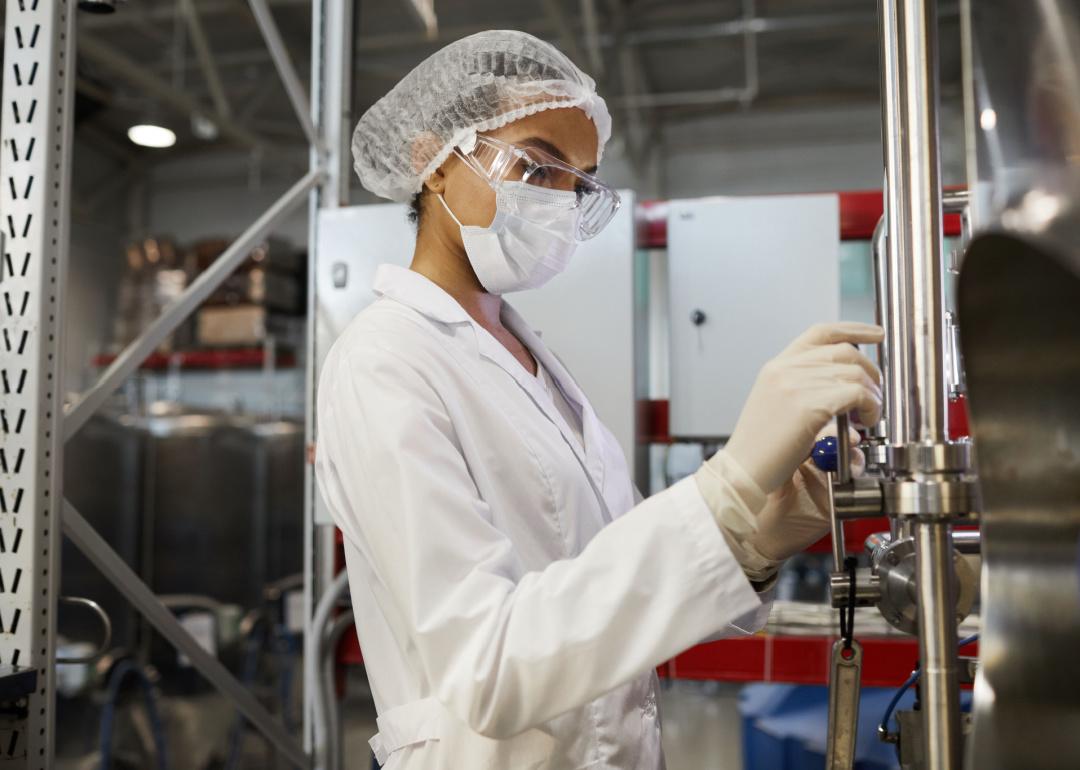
(797, 514)
(767, 530)
(819, 376)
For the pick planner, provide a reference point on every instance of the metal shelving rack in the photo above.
(35, 176)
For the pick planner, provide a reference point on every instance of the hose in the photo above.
(883, 728)
(334, 747)
(319, 621)
(120, 672)
(254, 641)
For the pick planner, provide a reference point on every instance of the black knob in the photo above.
(697, 317)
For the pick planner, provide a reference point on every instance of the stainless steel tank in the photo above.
(199, 504)
(103, 479)
(1019, 310)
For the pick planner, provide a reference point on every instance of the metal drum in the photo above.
(103, 479)
(202, 505)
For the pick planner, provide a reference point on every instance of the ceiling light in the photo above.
(988, 119)
(149, 135)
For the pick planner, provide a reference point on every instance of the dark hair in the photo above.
(416, 209)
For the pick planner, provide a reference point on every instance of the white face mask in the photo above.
(529, 242)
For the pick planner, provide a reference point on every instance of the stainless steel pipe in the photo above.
(942, 737)
(897, 389)
(914, 215)
(967, 541)
(916, 405)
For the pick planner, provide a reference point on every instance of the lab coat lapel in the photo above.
(493, 350)
(592, 459)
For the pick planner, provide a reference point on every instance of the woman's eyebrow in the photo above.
(548, 147)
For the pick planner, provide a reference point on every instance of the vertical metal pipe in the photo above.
(881, 287)
(915, 381)
(919, 212)
(897, 375)
(937, 645)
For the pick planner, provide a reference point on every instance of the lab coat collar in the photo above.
(427, 298)
(418, 292)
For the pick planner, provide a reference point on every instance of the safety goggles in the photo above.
(497, 162)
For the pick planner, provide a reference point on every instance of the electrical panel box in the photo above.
(746, 276)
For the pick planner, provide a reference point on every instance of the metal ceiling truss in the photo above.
(35, 186)
(579, 35)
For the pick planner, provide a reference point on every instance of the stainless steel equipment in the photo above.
(202, 504)
(1019, 307)
(925, 481)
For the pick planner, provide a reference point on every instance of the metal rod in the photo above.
(87, 540)
(843, 450)
(967, 540)
(898, 404)
(592, 38)
(836, 528)
(955, 201)
(286, 71)
(919, 212)
(881, 288)
(205, 58)
(937, 644)
(136, 352)
(683, 98)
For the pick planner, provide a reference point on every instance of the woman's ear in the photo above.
(437, 181)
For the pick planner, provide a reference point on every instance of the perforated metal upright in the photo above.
(36, 139)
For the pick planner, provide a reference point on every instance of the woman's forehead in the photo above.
(568, 134)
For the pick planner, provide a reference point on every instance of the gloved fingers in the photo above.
(841, 354)
(830, 430)
(848, 332)
(861, 397)
(814, 483)
(858, 462)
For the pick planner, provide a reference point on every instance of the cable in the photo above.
(253, 644)
(883, 728)
(120, 672)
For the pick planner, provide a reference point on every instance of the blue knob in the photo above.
(825, 454)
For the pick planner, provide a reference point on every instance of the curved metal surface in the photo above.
(1020, 328)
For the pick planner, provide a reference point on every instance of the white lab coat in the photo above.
(510, 598)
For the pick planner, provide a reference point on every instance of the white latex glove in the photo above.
(819, 376)
(797, 514)
(785, 522)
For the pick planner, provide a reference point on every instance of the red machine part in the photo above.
(793, 660)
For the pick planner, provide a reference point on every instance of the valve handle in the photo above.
(826, 454)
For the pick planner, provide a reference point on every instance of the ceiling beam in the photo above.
(205, 57)
(107, 57)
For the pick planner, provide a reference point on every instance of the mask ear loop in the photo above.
(448, 211)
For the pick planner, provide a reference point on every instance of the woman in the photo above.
(511, 597)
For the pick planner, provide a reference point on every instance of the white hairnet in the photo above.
(476, 84)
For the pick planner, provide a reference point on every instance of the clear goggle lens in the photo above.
(499, 161)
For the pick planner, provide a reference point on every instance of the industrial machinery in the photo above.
(1019, 321)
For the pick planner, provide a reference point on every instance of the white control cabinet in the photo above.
(746, 276)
